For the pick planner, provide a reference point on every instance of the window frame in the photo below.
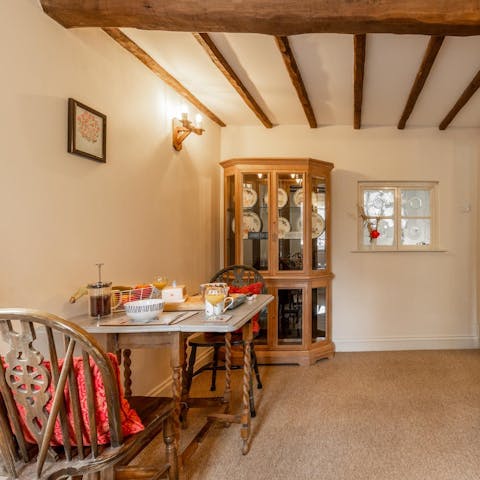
(398, 187)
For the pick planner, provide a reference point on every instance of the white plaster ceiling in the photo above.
(326, 64)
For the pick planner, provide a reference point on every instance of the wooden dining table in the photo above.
(124, 335)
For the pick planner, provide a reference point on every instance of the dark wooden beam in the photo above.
(219, 60)
(296, 78)
(429, 57)
(158, 70)
(274, 17)
(359, 43)
(464, 98)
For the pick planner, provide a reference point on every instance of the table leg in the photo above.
(247, 336)
(177, 361)
(127, 372)
(185, 384)
(227, 393)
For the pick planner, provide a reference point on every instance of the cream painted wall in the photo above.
(148, 210)
(391, 300)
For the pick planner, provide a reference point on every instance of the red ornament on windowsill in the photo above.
(374, 234)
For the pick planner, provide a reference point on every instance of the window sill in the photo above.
(432, 250)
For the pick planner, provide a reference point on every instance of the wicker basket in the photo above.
(121, 297)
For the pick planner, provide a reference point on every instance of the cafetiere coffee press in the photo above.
(100, 296)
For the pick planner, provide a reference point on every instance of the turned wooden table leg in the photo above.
(177, 360)
(127, 372)
(185, 384)
(247, 372)
(227, 393)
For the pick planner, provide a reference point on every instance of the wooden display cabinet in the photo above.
(266, 224)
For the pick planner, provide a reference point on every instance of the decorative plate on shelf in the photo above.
(251, 223)
(298, 199)
(250, 197)
(283, 227)
(282, 198)
(318, 224)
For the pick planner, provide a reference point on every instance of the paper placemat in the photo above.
(218, 318)
(165, 318)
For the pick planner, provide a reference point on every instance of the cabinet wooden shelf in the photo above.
(272, 225)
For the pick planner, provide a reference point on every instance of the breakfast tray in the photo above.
(193, 302)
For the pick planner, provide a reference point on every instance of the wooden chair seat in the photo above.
(32, 378)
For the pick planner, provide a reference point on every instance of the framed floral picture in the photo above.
(87, 131)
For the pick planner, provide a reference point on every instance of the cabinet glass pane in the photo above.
(255, 220)
(290, 306)
(290, 221)
(319, 234)
(230, 220)
(261, 338)
(319, 314)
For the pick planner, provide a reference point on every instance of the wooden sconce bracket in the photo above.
(181, 129)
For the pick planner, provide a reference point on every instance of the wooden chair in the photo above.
(42, 397)
(238, 276)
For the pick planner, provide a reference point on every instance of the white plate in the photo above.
(298, 199)
(318, 224)
(283, 227)
(250, 197)
(251, 223)
(282, 198)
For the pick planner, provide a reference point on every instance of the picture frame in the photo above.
(87, 131)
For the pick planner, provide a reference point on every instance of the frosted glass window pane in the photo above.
(415, 232)
(379, 203)
(415, 203)
(387, 233)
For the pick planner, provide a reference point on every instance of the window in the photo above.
(397, 215)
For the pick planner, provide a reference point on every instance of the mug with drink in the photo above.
(216, 299)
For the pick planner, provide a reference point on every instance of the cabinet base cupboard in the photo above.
(277, 219)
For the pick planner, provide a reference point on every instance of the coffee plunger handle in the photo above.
(99, 266)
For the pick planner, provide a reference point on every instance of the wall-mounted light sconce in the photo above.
(183, 127)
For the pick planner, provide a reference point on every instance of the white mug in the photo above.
(219, 308)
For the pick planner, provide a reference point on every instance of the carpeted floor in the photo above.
(362, 416)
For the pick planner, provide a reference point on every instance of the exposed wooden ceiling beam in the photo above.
(431, 52)
(296, 77)
(359, 43)
(219, 60)
(150, 63)
(274, 17)
(463, 99)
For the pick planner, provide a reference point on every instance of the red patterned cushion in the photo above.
(130, 420)
(252, 288)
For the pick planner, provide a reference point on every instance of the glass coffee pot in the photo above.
(99, 296)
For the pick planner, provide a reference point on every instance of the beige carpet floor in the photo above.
(369, 416)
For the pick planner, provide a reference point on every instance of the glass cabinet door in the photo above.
(230, 253)
(255, 220)
(290, 310)
(290, 221)
(319, 234)
(319, 314)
